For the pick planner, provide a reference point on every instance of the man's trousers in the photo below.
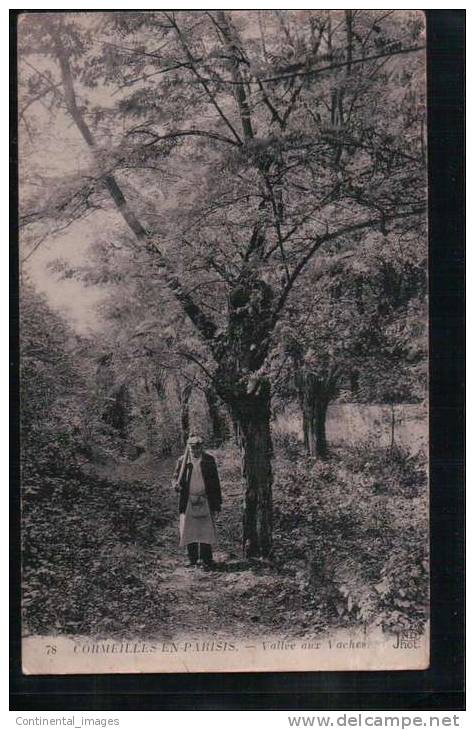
(200, 550)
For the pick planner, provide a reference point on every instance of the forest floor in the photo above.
(101, 554)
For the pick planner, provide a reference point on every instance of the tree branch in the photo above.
(314, 72)
(182, 133)
(203, 81)
(320, 240)
(241, 98)
(342, 64)
(192, 358)
(202, 322)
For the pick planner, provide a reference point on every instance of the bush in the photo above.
(358, 528)
(289, 444)
(389, 471)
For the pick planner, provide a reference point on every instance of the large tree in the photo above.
(235, 146)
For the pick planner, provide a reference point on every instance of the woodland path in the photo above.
(234, 600)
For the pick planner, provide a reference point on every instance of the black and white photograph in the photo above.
(223, 278)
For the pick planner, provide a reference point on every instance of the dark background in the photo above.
(441, 687)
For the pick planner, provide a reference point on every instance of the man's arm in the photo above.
(217, 485)
(175, 483)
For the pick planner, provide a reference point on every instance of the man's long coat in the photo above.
(209, 471)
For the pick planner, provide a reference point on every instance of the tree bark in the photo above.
(319, 440)
(393, 428)
(235, 430)
(349, 40)
(185, 413)
(314, 398)
(117, 413)
(219, 430)
(252, 413)
(205, 326)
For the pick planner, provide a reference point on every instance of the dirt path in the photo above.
(226, 601)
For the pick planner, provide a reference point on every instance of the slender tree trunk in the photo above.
(117, 414)
(185, 413)
(253, 416)
(148, 415)
(354, 382)
(219, 431)
(310, 439)
(204, 324)
(235, 431)
(320, 441)
(306, 428)
(393, 428)
(349, 40)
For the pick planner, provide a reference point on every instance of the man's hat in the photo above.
(194, 438)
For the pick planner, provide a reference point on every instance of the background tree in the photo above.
(363, 331)
(60, 414)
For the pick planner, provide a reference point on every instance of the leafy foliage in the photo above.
(263, 143)
(364, 330)
(359, 530)
(85, 557)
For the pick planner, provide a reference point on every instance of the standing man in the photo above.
(198, 484)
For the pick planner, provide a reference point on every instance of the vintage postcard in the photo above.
(223, 357)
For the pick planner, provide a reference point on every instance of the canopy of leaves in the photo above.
(244, 143)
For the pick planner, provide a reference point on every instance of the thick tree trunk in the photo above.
(219, 429)
(252, 413)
